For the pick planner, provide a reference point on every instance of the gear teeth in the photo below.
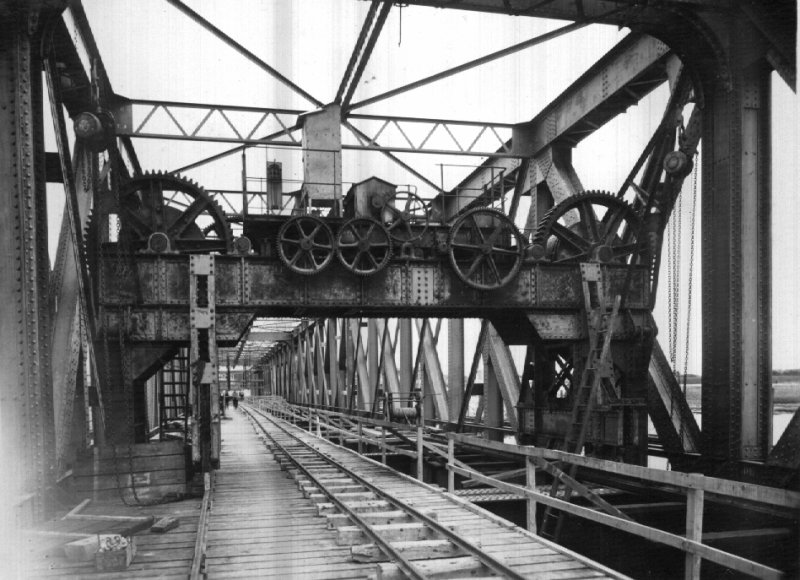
(542, 234)
(170, 181)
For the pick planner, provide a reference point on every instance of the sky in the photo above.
(152, 51)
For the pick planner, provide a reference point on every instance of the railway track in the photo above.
(409, 529)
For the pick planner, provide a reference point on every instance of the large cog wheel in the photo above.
(164, 212)
(604, 228)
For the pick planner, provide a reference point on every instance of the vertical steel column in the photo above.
(406, 356)
(319, 362)
(308, 364)
(455, 366)
(331, 362)
(736, 390)
(373, 358)
(26, 398)
(493, 400)
(204, 366)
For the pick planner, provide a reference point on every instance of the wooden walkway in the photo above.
(167, 556)
(262, 526)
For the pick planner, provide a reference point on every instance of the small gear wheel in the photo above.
(363, 246)
(405, 216)
(485, 249)
(305, 244)
(181, 212)
(592, 226)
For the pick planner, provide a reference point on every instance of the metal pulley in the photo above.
(96, 129)
(677, 163)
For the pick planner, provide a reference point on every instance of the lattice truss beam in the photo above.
(354, 364)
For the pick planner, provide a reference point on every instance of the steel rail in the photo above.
(487, 560)
(384, 545)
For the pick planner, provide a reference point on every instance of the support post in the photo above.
(373, 357)
(203, 363)
(455, 366)
(420, 458)
(493, 400)
(406, 356)
(736, 255)
(694, 530)
(383, 445)
(26, 397)
(530, 483)
(451, 455)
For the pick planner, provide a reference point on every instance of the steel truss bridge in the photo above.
(159, 284)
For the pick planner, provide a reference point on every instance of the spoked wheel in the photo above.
(605, 230)
(305, 245)
(405, 216)
(363, 246)
(485, 249)
(164, 212)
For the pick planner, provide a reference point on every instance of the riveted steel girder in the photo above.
(26, 403)
(736, 225)
(157, 292)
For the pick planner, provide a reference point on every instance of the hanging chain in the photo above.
(691, 277)
(674, 281)
(671, 291)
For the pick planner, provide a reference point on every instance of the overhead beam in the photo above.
(469, 65)
(194, 16)
(360, 57)
(267, 336)
(623, 76)
(617, 12)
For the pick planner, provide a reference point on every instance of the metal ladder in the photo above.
(173, 396)
(594, 384)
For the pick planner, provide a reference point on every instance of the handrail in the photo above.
(200, 544)
(694, 485)
(653, 534)
(717, 486)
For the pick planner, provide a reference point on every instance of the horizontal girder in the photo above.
(156, 298)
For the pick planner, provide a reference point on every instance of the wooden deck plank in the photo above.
(261, 526)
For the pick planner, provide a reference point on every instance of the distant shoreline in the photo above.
(785, 392)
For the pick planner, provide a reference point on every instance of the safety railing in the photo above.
(697, 488)
(694, 486)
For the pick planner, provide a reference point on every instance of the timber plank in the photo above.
(275, 533)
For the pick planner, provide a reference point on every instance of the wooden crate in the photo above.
(116, 559)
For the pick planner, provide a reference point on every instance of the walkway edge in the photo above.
(198, 562)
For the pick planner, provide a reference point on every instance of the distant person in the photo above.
(235, 401)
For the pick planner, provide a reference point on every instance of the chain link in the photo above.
(691, 277)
